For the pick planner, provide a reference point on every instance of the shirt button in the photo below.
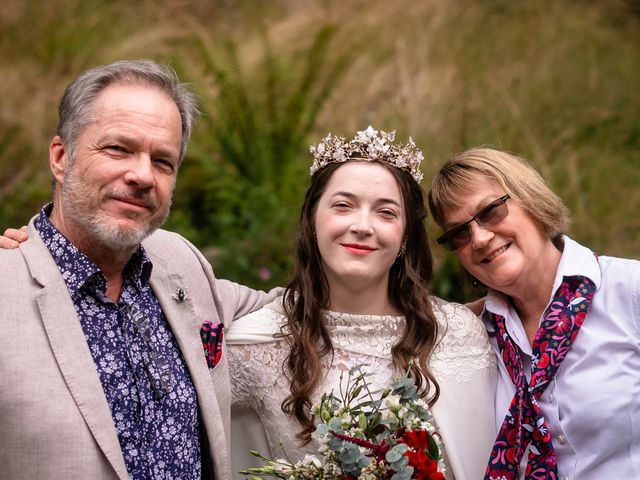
(551, 397)
(561, 440)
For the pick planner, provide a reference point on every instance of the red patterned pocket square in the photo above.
(212, 334)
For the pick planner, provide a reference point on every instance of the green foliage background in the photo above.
(554, 81)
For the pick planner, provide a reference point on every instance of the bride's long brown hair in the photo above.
(307, 296)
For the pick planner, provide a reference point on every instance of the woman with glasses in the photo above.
(564, 321)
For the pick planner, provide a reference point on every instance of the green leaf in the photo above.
(396, 453)
(432, 448)
(362, 422)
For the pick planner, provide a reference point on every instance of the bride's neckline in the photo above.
(360, 318)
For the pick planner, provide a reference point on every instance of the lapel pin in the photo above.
(179, 296)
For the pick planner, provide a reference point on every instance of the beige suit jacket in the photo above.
(55, 422)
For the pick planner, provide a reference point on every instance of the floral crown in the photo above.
(370, 145)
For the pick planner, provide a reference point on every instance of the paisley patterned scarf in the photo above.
(524, 424)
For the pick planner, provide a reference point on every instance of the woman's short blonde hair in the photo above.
(523, 184)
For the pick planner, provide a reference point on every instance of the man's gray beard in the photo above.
(101, 228)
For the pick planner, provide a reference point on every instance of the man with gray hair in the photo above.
(111, 361)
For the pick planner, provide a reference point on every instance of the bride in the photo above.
(360, 295)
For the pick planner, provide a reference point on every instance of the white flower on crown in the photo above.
(370, 145)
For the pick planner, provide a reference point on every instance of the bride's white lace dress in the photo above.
(463, 363)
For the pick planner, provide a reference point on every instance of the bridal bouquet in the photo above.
(366, 436)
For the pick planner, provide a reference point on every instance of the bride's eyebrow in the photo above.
(378, 200)
(388, 200)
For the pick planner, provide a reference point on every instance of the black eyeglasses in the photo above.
(460, 235)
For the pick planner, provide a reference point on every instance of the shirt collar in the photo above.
(575, 260)
(496, 303)
(76, 268)
(139, 267)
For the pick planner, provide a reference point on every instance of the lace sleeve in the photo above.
(464, 346)
(255, 371)
(243, 374)
(257, 390)
(256, 352)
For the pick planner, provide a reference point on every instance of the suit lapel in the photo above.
(185, 326)
(71, 351)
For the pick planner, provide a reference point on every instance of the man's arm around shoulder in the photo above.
(232, 300)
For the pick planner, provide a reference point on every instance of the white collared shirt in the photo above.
(592, 407)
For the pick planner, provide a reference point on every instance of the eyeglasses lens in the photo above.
(489, 216)
(492, 214)
(459, 237)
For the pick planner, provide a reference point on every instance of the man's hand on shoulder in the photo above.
(12, 237)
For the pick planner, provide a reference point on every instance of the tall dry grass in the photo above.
(554, 81)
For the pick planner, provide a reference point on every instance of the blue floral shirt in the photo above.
(145, 380)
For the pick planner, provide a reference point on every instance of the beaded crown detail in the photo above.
(370, 145)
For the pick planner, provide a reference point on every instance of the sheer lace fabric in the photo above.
(259, 382)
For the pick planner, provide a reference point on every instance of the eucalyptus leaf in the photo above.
(403, 474)
(350, 453)
(396, 453)
(400, 464)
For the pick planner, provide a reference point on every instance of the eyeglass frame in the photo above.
(444, 239)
